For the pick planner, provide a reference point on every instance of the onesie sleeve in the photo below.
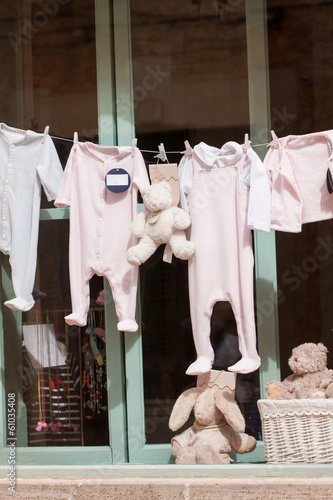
(49, 169)
(259, 210)
(185, 176)
(140, 176)
(63, 198)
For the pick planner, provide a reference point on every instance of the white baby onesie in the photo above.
(26, 164)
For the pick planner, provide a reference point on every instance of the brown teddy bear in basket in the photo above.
(310, 379)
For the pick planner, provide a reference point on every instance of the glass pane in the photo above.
(301, 103)
(48, 50)
(190, 83)
(63, 368)
(48, 53)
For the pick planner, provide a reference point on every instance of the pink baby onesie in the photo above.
(100, 227)
(298, 165)
(222, 266)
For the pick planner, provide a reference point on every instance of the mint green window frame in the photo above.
(265, 261)
(127, 453)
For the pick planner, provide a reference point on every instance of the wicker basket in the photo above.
(297, 430)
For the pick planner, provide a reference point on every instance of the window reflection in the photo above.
(48, 51)
(64, 367)
(300, 46)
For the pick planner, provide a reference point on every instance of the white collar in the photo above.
(14, 136)
(229, 154)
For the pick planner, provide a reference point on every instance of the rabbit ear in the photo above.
(182, 408)
(227, 405)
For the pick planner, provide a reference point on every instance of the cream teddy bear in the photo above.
(327, 387)
(218, 428)
(310, 375)
(159, 223)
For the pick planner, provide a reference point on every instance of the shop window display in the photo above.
(189, 62)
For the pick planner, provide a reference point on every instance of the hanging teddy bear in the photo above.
(159, 223)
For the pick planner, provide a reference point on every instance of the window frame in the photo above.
(124, 351)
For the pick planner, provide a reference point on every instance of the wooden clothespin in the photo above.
(274, 143)
(134, 144)
(46, 131)
(188, 149)
(161, 155)
(76, 140)
(247, 143)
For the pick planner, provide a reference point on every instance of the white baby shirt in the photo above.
(26, 164)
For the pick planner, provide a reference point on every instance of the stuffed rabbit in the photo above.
(218, 428)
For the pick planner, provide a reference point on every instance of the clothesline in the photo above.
(154, 151)
(179, 152)
(143, 150)
(61, 138)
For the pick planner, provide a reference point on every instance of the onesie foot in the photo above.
(127, 325)
(245, 365)
(75, 319)
(19, 304)
(201, 365)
